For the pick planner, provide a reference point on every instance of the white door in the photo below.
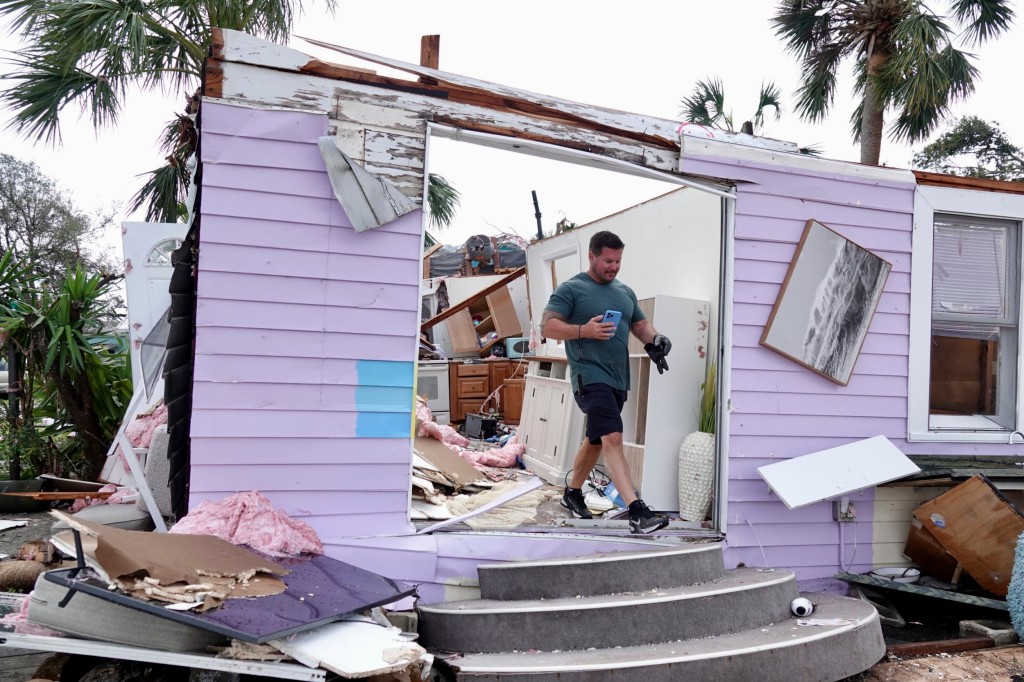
(147, 265)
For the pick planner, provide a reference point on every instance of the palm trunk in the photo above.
(872, 115)
(77, 401)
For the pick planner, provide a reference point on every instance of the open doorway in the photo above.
(673, 235)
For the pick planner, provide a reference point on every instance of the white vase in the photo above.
(696, 475)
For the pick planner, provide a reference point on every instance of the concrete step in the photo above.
(599, 574)
(848, 642)
(743, 599)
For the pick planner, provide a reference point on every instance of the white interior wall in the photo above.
(673, 247)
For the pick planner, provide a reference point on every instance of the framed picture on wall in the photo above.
(826, 303)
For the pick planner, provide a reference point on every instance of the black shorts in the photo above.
(603, 406)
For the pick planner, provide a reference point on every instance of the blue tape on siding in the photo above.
(385, 373)
(384, 398)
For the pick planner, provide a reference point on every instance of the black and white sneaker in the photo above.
(643, 520)
(572, 499)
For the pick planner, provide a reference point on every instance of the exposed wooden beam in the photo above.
(430, 51)
(940, 180)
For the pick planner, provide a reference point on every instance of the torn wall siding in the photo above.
(302, 340)
(305, 332)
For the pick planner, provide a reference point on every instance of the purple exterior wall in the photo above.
(305, 333)
(780, 410)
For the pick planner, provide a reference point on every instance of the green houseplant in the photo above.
(697, 455)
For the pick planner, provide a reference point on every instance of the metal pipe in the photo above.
(536, 209)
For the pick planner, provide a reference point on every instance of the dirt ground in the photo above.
(38, 528)
(1005, 664)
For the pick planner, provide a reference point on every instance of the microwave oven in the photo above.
(517, 347)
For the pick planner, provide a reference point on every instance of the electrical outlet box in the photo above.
(849, 515)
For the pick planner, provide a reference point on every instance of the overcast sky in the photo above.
(641, 57)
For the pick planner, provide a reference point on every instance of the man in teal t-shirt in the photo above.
(598, 354)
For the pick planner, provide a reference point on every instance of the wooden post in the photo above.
(430, 54)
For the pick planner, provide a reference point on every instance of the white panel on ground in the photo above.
(837, 471)
(357, 649)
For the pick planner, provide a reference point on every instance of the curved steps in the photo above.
(849, 642)
(744, 598)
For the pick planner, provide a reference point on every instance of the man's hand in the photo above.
(596, 329)
(661, 341)
(658, 349)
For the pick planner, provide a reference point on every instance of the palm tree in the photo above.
(706, 106)
(904, 54)
(89, 53)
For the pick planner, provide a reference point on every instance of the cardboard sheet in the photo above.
(200, 569)
(457, 469)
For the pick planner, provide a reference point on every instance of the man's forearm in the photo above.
(644, 331)
(554, 327)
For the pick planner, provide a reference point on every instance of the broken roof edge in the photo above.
(235, 46)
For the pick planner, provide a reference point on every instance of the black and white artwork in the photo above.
(826, 303)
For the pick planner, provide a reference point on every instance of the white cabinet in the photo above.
(662, 409)
(551, 426)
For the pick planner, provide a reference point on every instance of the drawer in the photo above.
(473, 386)
(473, 370)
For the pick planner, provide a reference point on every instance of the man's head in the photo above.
(605, 256)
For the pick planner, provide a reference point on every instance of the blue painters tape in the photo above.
(384, 399)
(385, 373)
(382, 425)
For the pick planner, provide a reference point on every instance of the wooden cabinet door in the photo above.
(512, 400)
(462, 332)
(500, 371)
(503, 313)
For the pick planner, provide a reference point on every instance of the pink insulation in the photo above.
(250, 519)
(504, 457)
(140, 430)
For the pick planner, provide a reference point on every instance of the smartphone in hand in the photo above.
(612, 316)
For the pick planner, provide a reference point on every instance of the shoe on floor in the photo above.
(643, 520)
(572, 499)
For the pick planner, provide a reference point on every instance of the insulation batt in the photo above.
(250, 519)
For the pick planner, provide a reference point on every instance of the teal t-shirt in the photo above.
(578, 300)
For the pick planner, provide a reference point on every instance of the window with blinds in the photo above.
(974, 314)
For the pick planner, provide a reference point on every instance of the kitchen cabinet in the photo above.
(483, 322)
(472, 384)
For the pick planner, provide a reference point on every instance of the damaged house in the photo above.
(838, 304)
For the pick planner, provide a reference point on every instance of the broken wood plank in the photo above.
(942, 646)
(62, 495)
(979, 528)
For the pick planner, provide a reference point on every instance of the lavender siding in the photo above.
(780, 410)
(305, 332)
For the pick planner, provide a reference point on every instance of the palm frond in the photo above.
(984, 19)
(442, 200)
(706, 105)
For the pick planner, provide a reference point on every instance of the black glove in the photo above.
(658, 349)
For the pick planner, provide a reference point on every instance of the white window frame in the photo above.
(969, 203)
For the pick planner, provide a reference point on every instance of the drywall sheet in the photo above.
(837, 471)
